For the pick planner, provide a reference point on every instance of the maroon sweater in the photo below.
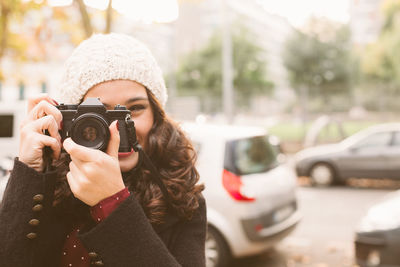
(74, 253)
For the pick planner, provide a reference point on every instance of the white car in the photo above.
(377, 237)
(250, 193)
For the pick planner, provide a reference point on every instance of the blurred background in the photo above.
(309, 72)
(278, 64)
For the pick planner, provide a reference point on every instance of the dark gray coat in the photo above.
(32, 234)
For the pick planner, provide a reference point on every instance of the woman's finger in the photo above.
(73, 184)
(76, 172)
(42, 109)
(80, 153)
(78, 176)
(45, 123)
(45, 140)
(113, 144)
(32, 102)
(83, 166)
(77, 161)
(79, 184)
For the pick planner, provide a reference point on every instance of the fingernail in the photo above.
(66, 143)
(117, 126)
(55, 101)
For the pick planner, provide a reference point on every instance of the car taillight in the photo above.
(232, 183)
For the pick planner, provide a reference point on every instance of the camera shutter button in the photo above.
(119, 107)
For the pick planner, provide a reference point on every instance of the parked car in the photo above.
(370, 153)
(250, 193)
(11, 114)
(377, 239)
(6, 164)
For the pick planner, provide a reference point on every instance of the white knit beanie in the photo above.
(106, 57)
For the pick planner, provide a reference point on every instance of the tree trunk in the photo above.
(109, 17)
(87, 26)
(304, 103)
(4, 33)
(4, 28)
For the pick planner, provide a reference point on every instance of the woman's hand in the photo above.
(42, 115)
(94, 175)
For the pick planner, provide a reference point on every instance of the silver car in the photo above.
(370, 153)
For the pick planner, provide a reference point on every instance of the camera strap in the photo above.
(144, 158)
(47, 160)
(46, 156)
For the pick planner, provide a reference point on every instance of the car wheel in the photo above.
(322, 174)
(217, 251)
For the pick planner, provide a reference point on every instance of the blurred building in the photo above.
(365, 20)
(198, 20)
(271, 31)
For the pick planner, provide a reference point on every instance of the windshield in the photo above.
(367, 138)
(251, 155)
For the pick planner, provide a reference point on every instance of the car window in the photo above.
(375, 140)
(252, 155)
(6, 122)
(396, 139)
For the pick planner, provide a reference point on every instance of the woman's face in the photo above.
(133, 96)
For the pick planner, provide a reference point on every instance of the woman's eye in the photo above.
(136, 108)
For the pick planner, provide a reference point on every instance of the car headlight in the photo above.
(382, 216)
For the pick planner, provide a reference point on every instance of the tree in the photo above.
(318, 61)
(16, 45)
(11, 11)
(380, 62)
(201, 71)
(86, 21)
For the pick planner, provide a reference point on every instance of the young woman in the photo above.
(98, 208)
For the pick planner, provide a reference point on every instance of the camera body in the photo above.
(88, 124)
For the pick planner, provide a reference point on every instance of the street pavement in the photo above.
(324, 238)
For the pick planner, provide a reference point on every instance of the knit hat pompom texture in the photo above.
(106, 57)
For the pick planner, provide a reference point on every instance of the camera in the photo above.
(88, 124)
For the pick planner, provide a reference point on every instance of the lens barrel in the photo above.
(90, 130)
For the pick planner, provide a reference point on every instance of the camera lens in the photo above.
(91, 130)
(89, 134)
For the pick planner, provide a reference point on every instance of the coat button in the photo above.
(93, 254)
(31, 235)
(34, 222)
(38, 198)
(37, 207)
(99, 263)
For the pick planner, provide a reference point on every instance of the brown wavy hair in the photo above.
(174, 157)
